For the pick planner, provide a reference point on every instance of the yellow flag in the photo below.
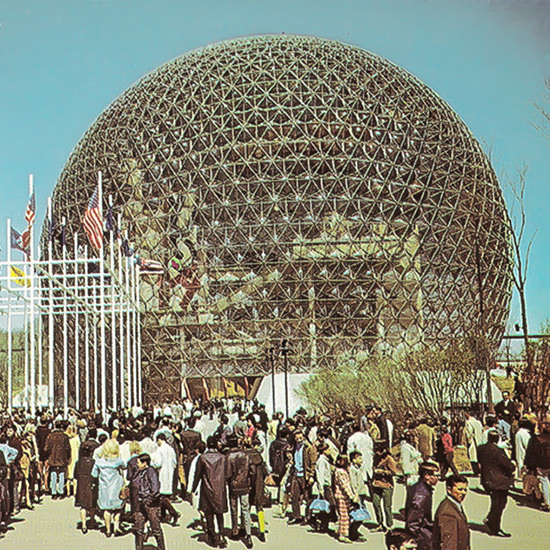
(19, 277)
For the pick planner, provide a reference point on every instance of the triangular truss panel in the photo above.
(300, 189)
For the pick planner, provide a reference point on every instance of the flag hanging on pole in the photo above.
(30, 215)
(17, 240)
(205, 387)
(93, 224)
(110, 219)
(19, 277)
(187, 390)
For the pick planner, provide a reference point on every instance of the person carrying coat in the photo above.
(451, 530)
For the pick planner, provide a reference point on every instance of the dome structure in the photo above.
(295, 189)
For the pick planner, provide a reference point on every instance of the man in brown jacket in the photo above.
(425, 435)
(302, 476)
(451, 531)
(58, 451)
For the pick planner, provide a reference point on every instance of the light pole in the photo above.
(284, 351)
(271, 353)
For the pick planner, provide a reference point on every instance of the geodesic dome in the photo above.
(294, 188)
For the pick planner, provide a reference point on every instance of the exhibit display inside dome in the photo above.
(299, 189)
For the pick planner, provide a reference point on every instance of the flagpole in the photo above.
(87, 333)
(40, 329)
(26, 343)
(134, 334)
(31, 305)
(8, 253)
(113, 304)
(51, 394)
(129, 300)
(138, 329)
(96, 399)
(76, 326)
(121, 323)
(102, 305)
(65, 327)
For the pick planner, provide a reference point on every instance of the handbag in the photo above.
(269, 481)
(319, 505)
(360, 514)
(124, 493)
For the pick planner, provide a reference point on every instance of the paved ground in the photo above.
(52, 526)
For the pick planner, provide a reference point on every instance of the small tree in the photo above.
(536, 375)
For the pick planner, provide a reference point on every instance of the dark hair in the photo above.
(396, 537)
(342, 462)
(492, 436)
(353, 455)
(144, 457)
(427, 468)
(102, 437)
(161, 436)
(452, 480)
(191, 422)
(212, 442)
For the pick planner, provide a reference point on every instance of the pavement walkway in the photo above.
(52, 526)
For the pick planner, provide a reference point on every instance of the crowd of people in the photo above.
(125, 472)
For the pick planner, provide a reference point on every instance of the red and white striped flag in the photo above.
(30, 215)
(93, 224)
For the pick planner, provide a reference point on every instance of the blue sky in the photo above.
(63, 62)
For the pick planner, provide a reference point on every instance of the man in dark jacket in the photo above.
(211, 472)
(190, 441)
(451, 531)
(238, 480)
(58, 451)
(497, 476)
(147, 487)
(537, 458)
(418, 507)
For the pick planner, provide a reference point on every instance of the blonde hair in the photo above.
(135, 448)
(110, 449)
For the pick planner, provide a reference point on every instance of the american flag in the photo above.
(93, 224)
(30, 215)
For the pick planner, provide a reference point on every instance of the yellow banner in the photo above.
(19, 277)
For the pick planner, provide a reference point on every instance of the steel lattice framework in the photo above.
(296, 188)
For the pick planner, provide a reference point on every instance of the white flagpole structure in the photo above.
(134, 334)
(26, 341)
(87, 333)
(129, 299)
(121, 315)
(51, 393)
(113, 303)
(102, 304)
(10, 375)
(32, 358)
(96, 320)
(65, 327)
(138, 330)
(76, 326)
